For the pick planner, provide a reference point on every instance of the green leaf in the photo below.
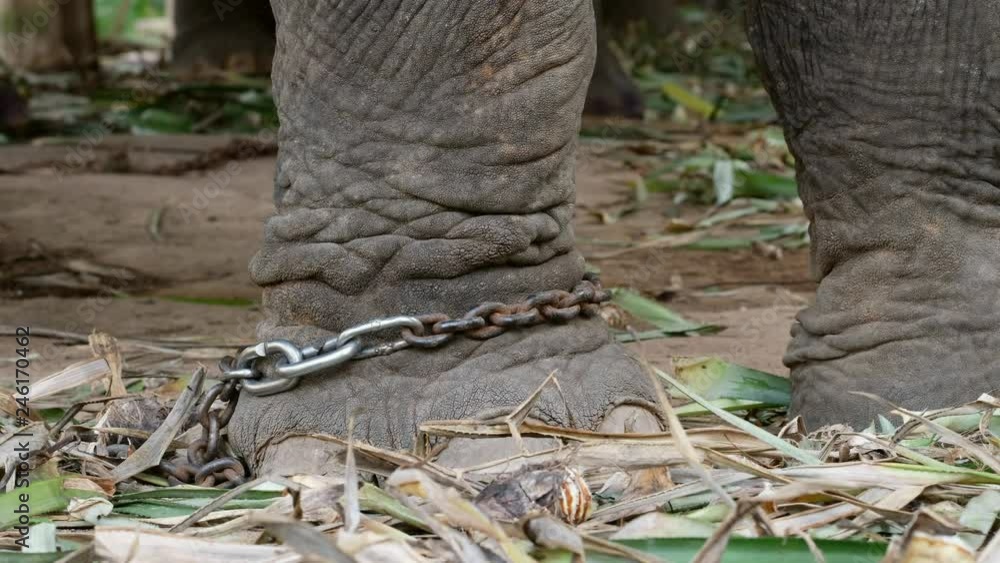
(752, 111)
(713, 513)
(766, 234)
(44, 497)
(657, 315)
(755, 431)
(191, 492)
(660, 185)
(767, 186)
(732, 214)
(979, 515)
(773, 232)
(719, 244)
(15, 557)
(699, 162)
(946, 474)
(183, 507)
(688, 99)
(374, 499)
(963, 423)
(641, 336)
(156, 120)
(694, 409)
(664, 525)
(714, 378)
(184, 500)
(150, 510)
(106, 14)
(741, 550)
(722, 180)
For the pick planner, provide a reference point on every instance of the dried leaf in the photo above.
(304, 539)
(929, 548)
(722, 180)
(107, 348)
(150, 453)
(89, 510)
(75, 375)
(947, 435)
(121, 545)
(547, 532)
(980, 514)
(661, 525)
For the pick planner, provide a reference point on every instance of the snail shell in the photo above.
(575, 500)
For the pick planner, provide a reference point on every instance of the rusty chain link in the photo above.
(286, 363)
(203, 465)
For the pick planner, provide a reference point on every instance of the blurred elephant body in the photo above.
(236, 35)
(239, 36)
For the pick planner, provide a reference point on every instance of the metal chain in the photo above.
(276, 366)
(203, 465)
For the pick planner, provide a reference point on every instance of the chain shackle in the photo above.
(276, 366)
(293, 363)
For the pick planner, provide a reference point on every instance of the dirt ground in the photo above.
(162, 256)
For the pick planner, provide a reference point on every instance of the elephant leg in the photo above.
(660, 15)
(612, 91)
(426, 165)
(890, 109)
(14, 115)
(234, 36)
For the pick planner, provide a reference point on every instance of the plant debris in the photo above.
(923, 488)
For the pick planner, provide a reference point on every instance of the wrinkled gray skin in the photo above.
(890, 109)
(426, 165)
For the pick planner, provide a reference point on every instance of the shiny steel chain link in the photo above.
(276, 366)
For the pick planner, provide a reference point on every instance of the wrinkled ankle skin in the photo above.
(889, 110)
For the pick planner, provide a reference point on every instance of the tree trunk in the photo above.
(48, 35)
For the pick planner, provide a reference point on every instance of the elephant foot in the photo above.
(388, 397)
(917, 325)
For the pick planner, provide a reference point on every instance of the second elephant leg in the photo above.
(214, 35)
(890, 109)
